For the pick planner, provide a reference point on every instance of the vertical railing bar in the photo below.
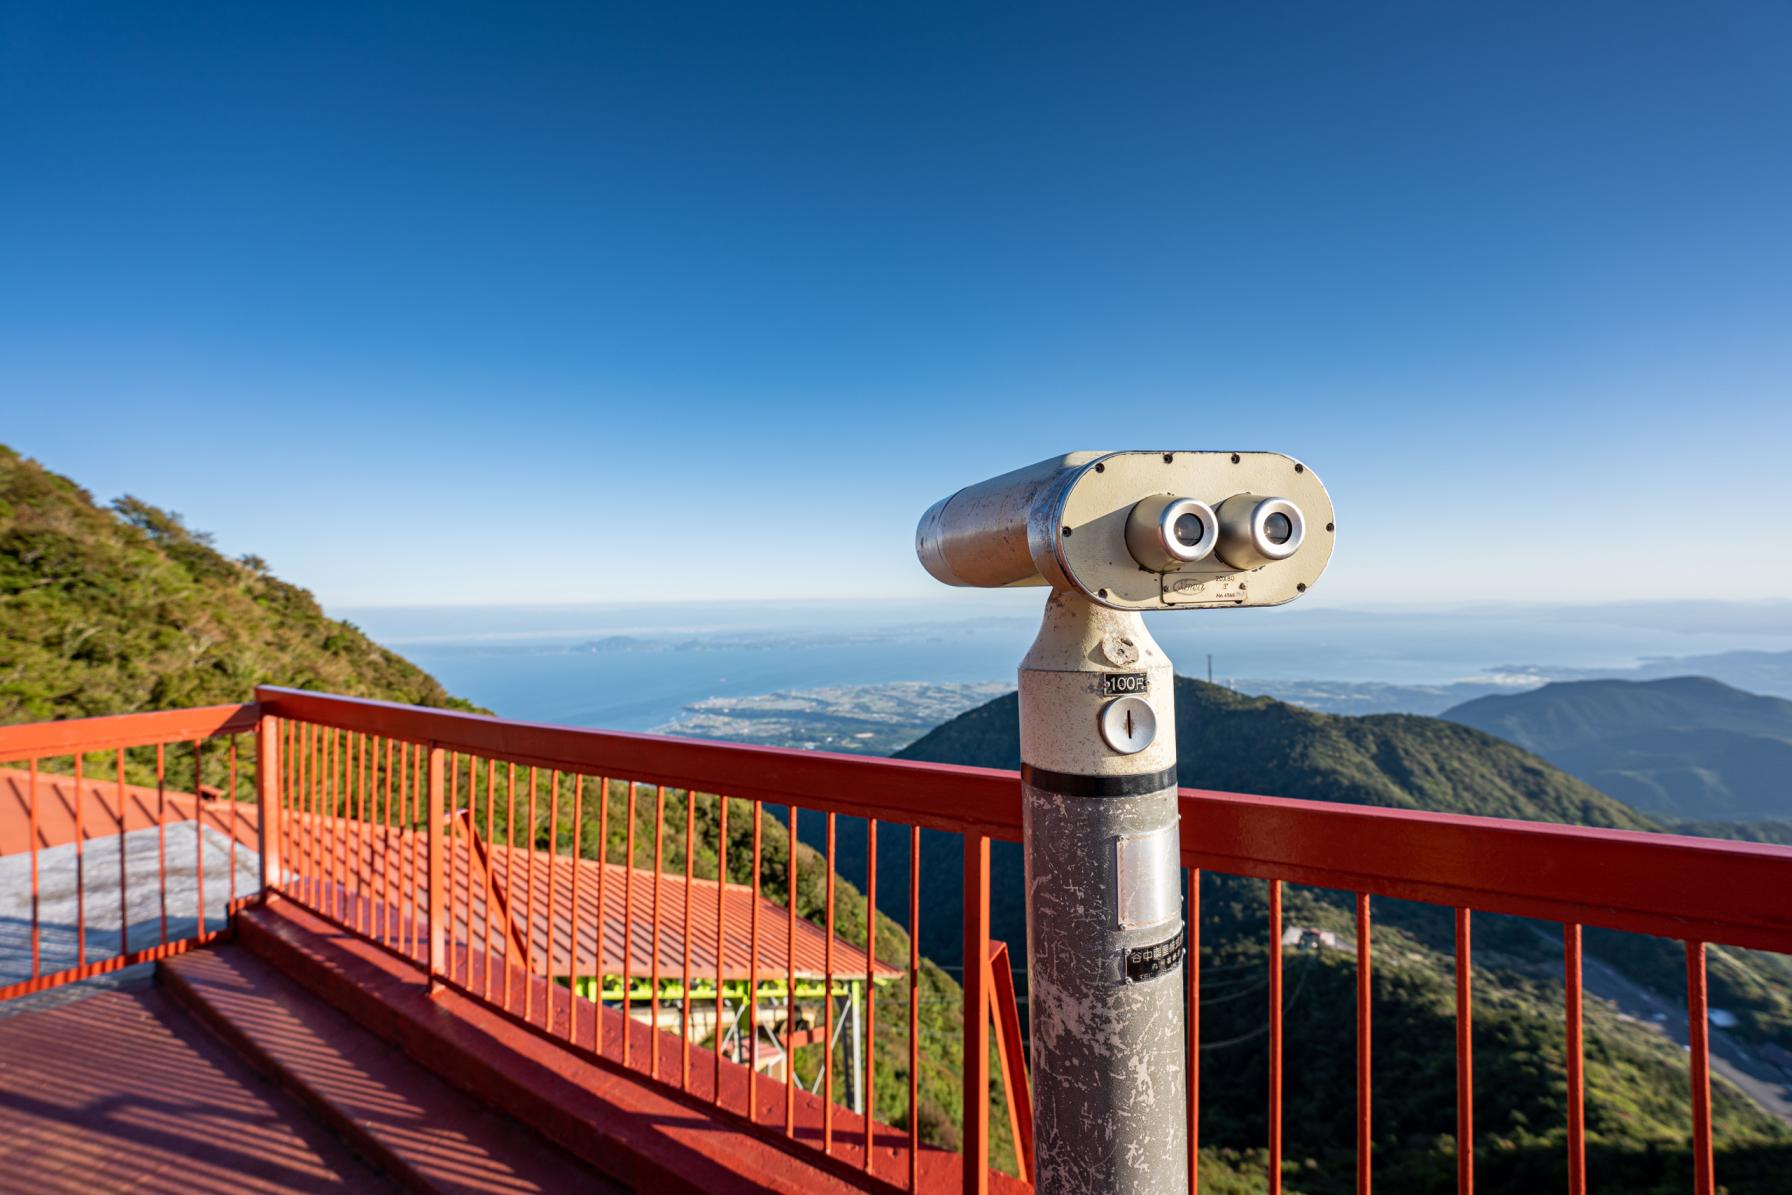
(976, 1014)
(361, 871)
(753, 978)
(199, 834)
(529, 905)
(827, 1005)
(344, 802)
(1698, 1030)
(291, 819)
(341, 746)
(491, 801)
(124, 903)
(469, 829)
(721, 929)
(338, 759)
(275, 871)
(690, 838)
(381, 832)
(914, 1008)
(1574, 1051)
(80, 864)
(236, 823)
(332, 792)
(367, 778)
(444, 875)
(407, 768)
(373, 829)
(1364, 1044)
(326, 847)
(653, 1013)
(400, 837)
(352, 827)
(547, 962)
(790, 984)
(297, 822)
(36, 930)
(547, 1013)
(314, 816)
(315, 767)
(1275, 1037)
(162, 833)
(628, 931)
(510, 871)
(1465, 1058)
(438, 924)
(603, 909)
(870, 1090)
(307, 828)
(572, 925)
(1192, 1041)
(450, 831)
(271, 754)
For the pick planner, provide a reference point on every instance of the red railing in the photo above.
(464, 843)
(467, 844)
(64, 785)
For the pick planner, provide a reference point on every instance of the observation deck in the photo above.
(319, 943)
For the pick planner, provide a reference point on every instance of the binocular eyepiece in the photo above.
(1138, 530)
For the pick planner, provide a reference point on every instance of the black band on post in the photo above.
(1073, 784)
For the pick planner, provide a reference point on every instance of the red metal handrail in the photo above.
(104, 805)
(339, 775)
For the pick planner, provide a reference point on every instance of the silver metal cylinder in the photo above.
(1256, 530)
(1165, 532)
(1105, 936)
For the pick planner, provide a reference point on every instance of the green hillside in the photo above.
(1637, 1078)
(125, 609)
(113, 610)
(1687, 747)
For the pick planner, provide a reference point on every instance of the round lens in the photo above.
(1278, 529)
(1189, 530)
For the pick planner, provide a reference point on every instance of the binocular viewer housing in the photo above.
(1139, 530)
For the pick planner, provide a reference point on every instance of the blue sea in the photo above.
(635, 667)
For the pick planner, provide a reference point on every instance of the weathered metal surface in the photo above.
(1108, 1070)
(1109, 1080)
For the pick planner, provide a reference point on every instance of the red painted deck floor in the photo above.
(120, 1089)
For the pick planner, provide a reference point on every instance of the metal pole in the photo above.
(858, 1058)
(1105, 935)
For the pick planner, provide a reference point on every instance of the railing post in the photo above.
(976, 1014)
(438, 902)
(267, 792)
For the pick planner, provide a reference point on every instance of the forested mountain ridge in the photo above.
(107, 610)
(1687, 747)
(1236, 743)
(1637, 1079)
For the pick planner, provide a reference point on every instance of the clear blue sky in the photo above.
(529, 303)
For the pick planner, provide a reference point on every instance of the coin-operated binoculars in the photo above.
(1115, 534)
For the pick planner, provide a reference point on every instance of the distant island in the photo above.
(862, 719)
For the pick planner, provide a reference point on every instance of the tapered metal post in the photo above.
(1105, 935)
